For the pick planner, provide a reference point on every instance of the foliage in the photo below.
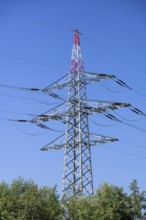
(109, 203)
(137, 199)
(112, 203)
(24, 200)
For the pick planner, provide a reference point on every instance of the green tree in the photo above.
(109, 203)
(24, 200)
(5, 202)
(112, 203)
(138, 200)
(79, 208)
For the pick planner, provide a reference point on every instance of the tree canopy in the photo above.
(25, 200)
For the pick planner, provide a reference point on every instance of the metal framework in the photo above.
(74, 113)
(77, 176)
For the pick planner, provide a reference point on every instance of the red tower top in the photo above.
(76, 38)
(76, 58)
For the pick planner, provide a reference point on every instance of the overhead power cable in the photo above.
(32, 20)
(28, 99)
(114, 54)
(38, 124)
(33, 90)
(32, 134)
(13, 112)
(127, 119)
(69, 29)
(120, 82)
(102, 124)
(112, 117)
(134, 126)
(132, 144)
(21, 130)
(124, 152)
(111, 90)
(36, 100)
(17, 97)
(27, 133)
(124, 141)
(32, 61)
(139, 93)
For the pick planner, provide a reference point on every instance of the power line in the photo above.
(44, 91)
(29, 114)
(124, 152)
(121, 140)
(130, 143)
(139, 93)
(134, 126)
(13, 120)
(28, 99)
(102, 124)
(69, 29)
(133, 144)
(32, 61)
(41, 102)
(111, 90)
(22, 131)
(131, 120)
(17, 97)
(27, 133)
(13, 112)
(112, 117)
(115, 54)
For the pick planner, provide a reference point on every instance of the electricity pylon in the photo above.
(77, 175)
(74, 113)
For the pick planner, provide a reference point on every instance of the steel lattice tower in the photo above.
(74, 113)
(77, 177)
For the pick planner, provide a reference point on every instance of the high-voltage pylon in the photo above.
(74, 113)
(77, 177)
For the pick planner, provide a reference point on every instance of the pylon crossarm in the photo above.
(56, 87)
(103, 140)
(94, 138)
(53, 147)
(48, 117)
(100, 139)
(56, 144)
(57, 113)
(42, 90)
(53, 111)
(97, 77)
(89, 108)
(103, 106)
(59, 83)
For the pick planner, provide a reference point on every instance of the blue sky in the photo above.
(113, 42)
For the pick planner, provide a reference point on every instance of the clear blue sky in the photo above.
(40, 31)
